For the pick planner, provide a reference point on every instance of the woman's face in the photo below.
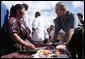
(22, 13)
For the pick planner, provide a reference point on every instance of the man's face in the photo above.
(58, 11)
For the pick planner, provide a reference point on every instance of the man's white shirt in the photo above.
(46, 34)
(38, 25)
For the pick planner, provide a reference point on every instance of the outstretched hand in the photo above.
(41, 44)
(61, 47)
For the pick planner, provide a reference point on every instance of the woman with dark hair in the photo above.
(27, 18)
(26, 6)
(17, 31)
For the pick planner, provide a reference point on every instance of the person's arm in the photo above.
(72, 25)
(31, 40)
(57, 29)
(68, 36)
(55, 37)
(17, 39)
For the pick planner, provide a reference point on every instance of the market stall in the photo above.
(47, 51)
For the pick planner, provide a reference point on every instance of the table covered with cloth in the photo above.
(41, 52)
(17, 55)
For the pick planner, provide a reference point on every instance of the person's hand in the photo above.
(53, 42)
(61, 47)
(41, 44)
(37, 44)
(49, 44)
(30, 46)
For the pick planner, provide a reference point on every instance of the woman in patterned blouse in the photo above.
(17, 31)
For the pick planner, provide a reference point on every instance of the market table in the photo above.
(26, 53)
(18, 55)
(22, 54)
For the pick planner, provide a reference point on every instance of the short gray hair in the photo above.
(62, 5)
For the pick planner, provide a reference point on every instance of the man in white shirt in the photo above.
(38, 28)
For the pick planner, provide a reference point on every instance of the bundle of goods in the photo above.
(52, 52)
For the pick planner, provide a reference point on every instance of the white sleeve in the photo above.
(45, 31)
(46, 34)
(35, 24)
